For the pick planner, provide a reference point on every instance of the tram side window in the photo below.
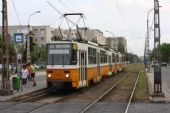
(123, 58)
(113, 58)
(120, 59)
(74, 57)
(103, 57)
(91, 55)
(117, 58)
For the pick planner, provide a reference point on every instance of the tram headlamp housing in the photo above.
(67, 75)
(49, 75)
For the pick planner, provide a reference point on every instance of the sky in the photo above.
(125, 18)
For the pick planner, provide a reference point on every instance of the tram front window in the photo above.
(59, 55)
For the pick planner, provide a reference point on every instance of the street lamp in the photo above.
(27, 44)
(111, 33)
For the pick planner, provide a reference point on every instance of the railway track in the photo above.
(125, 110)
(29, 97)
(37, 96)
(87, 108)
(34, 96)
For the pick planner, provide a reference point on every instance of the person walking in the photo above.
(33, 74)
(24, 75)
(29, 71)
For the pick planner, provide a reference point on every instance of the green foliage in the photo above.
(132, 58)
(165, 52)
(94, 40)
(121, 47)
(38, 54)
(56, 38)
(12, 51)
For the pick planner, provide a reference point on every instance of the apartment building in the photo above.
(113, 42)
(93, 35)
(41, 34)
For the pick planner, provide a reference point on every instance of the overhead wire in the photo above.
(123, 17)
(78, 21)
(65, 5)
(16, 12)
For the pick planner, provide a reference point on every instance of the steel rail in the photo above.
(38, 96)
(14, 104)
(132, 94)
(99, 98)
(58, 100)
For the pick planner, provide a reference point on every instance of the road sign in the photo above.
(19, 38)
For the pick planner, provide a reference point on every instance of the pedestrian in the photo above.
(33, 74)
(29, 71)
(24, 75)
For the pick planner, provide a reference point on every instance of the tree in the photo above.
(94, 40)
(164, 51)
(56, 38)
(121, 47)
(132, 58)
(12, 51)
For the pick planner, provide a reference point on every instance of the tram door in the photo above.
(82, 68)
(110, 66)
(98, 66)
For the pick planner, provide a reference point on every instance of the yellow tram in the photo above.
(76, 64)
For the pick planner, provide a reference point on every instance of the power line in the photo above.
(65, 6)
(123, 16)
(16, 12)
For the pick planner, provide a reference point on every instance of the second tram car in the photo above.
(76, 64)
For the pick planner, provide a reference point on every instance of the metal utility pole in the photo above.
(29, 35)
(147, 50)
(145, 61)
(5, 86)
(157, 57)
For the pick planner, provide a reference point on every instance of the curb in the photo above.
(152, 98)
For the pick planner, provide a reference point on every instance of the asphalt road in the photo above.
(166, 77)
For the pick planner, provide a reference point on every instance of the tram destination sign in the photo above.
(59, 46)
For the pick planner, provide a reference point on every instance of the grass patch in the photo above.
(142, 89)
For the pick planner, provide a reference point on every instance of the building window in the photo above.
(42, 32)
(36, 39)
(42, 38)
(52, 32)
(36, 31)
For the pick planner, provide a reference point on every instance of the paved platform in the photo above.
(165, 89)
(41, 84)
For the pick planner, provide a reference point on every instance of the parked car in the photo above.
(10, 66)
(39, 66)
(36, 66)
(164, 64)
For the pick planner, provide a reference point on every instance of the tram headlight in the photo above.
(49, 75)
(67, 75)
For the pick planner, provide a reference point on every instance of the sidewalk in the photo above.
(165, 90)
(41, 84)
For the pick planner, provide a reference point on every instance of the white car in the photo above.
(36, 66)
